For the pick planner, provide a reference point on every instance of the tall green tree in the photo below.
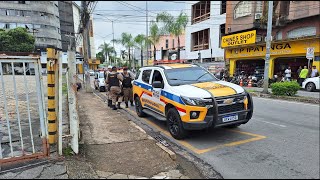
(154, 37)
(106, 50)
(140, 41)
(172, 25)
(101, 57)
(127, 41)
(16, 40)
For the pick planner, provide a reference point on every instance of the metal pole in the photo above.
(147, 33)
(268, 44)
(113, 38)
(210, 50)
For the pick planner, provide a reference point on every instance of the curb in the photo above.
(172, 155)
(286, 98)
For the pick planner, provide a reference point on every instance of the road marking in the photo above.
(256, 137)
(292, 102)
(272, 123)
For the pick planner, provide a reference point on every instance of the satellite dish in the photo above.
(173, 56)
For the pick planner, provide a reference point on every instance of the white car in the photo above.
(188, 97)
(99, 82)
(311, 84)
(91, 72)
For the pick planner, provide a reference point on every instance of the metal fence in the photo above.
(23, 127)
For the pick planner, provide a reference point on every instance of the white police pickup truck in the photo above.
(188, 97)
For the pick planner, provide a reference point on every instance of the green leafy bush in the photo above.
(285, 88)
(16, 40)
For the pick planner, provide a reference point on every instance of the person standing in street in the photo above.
(113, 80)
(303, 74)
(314, 72)
(127, 86)
(288, 73)
(107, 85)
(298, 72)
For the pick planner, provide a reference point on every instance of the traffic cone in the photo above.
(250, 83)
(241, 83)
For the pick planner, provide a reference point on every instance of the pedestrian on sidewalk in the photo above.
(113, 80)
(314, 72)
(127, 87)
(288, 73)
(107, 85)
(298, 72)
(303, 74)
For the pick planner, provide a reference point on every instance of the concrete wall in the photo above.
(302, 9)
(48, 34)
(214, 24)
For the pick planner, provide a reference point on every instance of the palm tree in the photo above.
(140, 40)
(127, 41)
(107, 49)
(154, 37)
(172, 25)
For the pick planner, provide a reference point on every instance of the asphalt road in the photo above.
(280, 141)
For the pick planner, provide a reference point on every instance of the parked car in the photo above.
(188, 97)
(99, 81)
(311, 84)
(91, 72)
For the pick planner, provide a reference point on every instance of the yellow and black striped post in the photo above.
(52, 117)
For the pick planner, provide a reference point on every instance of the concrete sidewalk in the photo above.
(113, 147)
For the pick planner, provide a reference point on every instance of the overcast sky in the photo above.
(128, 16)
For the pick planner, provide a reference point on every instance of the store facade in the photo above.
(251, 57)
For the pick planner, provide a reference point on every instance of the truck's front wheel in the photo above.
(139, 108)
(174, 124)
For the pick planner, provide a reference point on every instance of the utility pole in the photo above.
(268, 44)
(147, 46)
(113, 41)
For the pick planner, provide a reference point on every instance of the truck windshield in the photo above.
(190, 75)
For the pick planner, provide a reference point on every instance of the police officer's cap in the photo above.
(109, 67)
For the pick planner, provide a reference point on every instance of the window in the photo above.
(167, 43)
(223, 7)
(22, 2)
(146, 76)
(173, 43)
(137, 75)
(200, 40)
(19, 13)
(11, 12)
(37, 26)
(28, 13)
(200, 11)
(13, 25)
(2, 25)
(242, 9)
(157, 76)
(3, 12)
(259, 6)
(222, 32)
(279, 35)
(302, 32)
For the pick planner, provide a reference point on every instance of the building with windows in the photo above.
(41, 18)
(295, 28)
(167, 48)
(204, 30)
(67, 25)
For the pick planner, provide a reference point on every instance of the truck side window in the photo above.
(146, 76)
(157, 76)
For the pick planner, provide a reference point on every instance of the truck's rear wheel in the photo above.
(174, 124)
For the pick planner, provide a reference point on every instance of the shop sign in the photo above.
(310, 53)
(284, 48)
(239, 39)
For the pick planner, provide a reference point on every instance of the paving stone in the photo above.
(104, 174)
(118, 176)
(8, 175)
(136, 177)
(30, 173)
(158, 177)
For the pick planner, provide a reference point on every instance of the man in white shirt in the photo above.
(314, 72)
(288, 74)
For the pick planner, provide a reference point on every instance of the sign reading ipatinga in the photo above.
(282, 48)
(239, 39)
